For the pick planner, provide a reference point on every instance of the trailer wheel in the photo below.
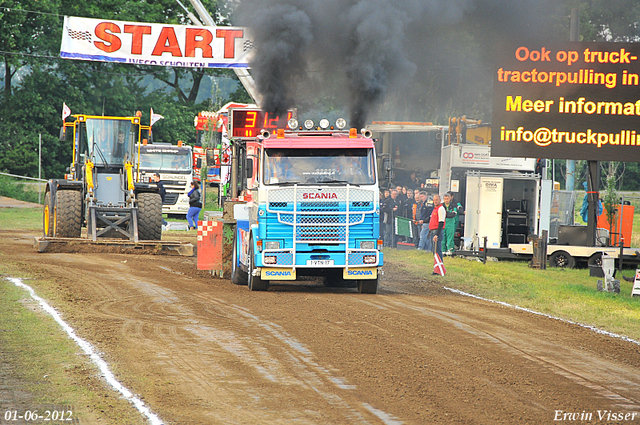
(255, 282)
(68, 214)
(149, 216)
(562, 259)
(48, 217)
(238, 276)
(368, 286)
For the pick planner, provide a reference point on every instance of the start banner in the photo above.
(155, 44)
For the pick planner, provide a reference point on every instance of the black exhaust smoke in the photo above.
(357, 51)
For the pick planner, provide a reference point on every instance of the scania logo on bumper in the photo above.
(360, 273)
(278, 274)
(320, 195)
(274, 273)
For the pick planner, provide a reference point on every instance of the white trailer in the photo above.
(505, 202)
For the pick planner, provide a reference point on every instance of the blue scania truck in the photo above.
(312, 204)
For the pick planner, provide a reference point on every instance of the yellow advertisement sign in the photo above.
(278, 274)
(360, 273)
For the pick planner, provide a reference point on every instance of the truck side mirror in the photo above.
(249, 167)
(386, 167)
(199, 163)
(63, 134)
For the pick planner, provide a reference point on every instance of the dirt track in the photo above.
(204, 351)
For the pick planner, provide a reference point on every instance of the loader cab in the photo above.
(105, 144)
(110, 142)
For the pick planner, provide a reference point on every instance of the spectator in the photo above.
(392, 206)
(162, 191)
(436, 224)
(423, 222)
(195, 205)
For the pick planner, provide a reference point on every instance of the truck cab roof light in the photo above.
(292, 123)
(308, 124)
(341, 123)
(353, 133)
(281, 133)
(324, 123)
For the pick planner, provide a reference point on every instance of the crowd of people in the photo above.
(434, 219)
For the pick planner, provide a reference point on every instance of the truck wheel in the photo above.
(368, 286)
(48, 217)
(238, 276)
(68, 214)
(562, 259)
(255, 282)
(149, 216)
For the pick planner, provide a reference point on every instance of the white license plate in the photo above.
(319, 262)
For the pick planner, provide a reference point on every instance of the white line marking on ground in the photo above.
(91, 352)
(593, 328)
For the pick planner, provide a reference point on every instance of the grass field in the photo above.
(569, 294)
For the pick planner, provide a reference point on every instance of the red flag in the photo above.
(155, 118)
(438, 265)
(65, 111)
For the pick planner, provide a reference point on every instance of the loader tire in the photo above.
(68, 214)
(48, 217)
(149, 216)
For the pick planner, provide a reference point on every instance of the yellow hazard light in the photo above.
(144, 141)
(281, 133)
(179, 142)
(353, 133)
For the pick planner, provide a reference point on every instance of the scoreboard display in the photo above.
(247, 123)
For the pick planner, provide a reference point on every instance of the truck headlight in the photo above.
(368, 245)
(272, 245)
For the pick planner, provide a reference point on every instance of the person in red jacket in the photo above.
(436, 224)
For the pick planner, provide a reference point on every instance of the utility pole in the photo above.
(243, 74)
(574, 35)
(593, 167)
(39, 165)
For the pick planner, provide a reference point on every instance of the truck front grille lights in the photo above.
(270, 259)
(369, 259)
(272, 245)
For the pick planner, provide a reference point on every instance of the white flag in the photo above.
(155, 117)
(65, 111)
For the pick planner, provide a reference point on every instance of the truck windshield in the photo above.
(165, 159)
(319, 166)
(110, 142)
